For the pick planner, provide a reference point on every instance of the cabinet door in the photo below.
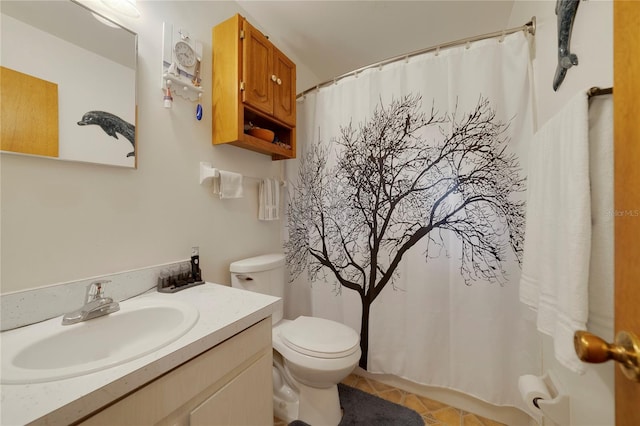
(284, 107)
(246, 400)
(257, 63)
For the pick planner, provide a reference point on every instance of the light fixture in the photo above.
(125, 7)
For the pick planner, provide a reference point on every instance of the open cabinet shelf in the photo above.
(258, 145)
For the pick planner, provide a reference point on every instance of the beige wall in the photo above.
(63, 221)
(592, 40)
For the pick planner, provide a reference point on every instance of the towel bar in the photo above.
(209, 172)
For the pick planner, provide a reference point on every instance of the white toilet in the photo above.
(311, 355)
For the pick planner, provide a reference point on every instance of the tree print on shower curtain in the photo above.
(401, 176)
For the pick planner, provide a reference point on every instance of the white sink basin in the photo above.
(49, 351)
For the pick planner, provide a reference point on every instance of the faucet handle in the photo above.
(94, 291)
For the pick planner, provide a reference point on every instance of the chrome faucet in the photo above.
(95, 305)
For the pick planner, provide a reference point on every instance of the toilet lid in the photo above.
(320, 337)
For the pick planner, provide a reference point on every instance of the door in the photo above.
(256, 69)
(626, 98)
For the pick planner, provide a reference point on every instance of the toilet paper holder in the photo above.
(556, 408)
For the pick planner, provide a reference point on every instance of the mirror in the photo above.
(68, 83)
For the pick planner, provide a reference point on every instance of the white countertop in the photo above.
(224, 312)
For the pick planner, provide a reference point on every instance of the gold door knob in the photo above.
(626, 351)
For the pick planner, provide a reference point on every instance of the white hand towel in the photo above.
(555, 270)
(261, 200)
(228, 185)
(269, 200)
(276, 199)
(601, 272)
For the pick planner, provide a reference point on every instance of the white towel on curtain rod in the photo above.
(555, 271)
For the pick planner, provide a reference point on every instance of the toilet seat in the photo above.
(320, 338)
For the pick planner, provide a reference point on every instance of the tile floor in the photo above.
(433, 412)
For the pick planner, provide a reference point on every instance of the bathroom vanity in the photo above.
(219, 372)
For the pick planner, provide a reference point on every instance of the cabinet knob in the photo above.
(279, 82)
(274, 78)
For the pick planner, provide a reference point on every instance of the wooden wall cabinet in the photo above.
(253, 82)
(230, 384)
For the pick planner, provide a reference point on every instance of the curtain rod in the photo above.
(529, 27)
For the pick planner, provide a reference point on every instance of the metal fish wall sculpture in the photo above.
(111, 124)
(566, 12)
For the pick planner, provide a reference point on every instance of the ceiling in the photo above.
(332, 38)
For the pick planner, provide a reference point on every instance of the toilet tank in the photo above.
(262, 274)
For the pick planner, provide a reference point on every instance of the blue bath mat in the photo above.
(363, 409)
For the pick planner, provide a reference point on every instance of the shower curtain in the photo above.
(405, 215)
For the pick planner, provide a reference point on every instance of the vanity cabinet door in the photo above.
(257, 69)
(242, 401)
